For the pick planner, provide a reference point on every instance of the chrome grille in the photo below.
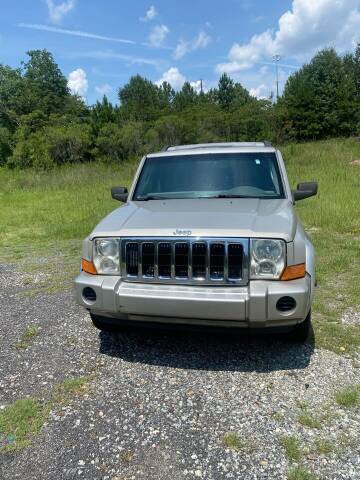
(186, 261)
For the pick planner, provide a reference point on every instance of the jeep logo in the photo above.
(182, 232)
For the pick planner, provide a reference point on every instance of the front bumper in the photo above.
(251, 306)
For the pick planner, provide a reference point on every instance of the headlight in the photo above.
(106, 256)
(267, 259)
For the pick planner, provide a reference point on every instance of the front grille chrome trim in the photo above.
(207, 279)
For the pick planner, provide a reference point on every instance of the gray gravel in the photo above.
(160, 404)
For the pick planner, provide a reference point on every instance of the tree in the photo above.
(318, 99)
(186, 97)
(226, 91)
(11, 96)
(102, 113)
(45, 85)
(140, 99)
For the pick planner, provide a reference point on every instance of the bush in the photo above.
(51, 146)
(109, 145)
(71, 144)
(5, 145)
(31, 152)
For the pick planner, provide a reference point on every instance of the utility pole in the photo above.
(276, 59)
(201, 85)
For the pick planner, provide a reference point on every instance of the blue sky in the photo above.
(100, 44)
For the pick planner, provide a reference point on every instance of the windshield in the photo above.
(219, 175)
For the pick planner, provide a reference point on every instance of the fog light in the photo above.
(89, 295)
(285, 304)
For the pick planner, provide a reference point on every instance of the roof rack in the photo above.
(264, 143)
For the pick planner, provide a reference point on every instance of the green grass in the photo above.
(44, 216)
(292, 447)
(22, 420)
(27, 337)
(332, 220)
(323, 446)
(300, 473)
(348, 397)
(233, 441)
(308, 419)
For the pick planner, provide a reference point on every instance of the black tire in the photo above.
(105, 324)
(302, 331)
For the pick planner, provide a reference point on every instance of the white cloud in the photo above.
(197, 86)
(174, 77)
(150, 14)
(177, 80)
(76, 33)
(261, 91)
(307, 27)
(77, 82)
(57, 12)
(158, 35)
(202, 40)
(104, 89)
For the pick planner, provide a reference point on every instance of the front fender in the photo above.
(310, 263)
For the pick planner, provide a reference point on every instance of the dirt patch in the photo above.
(355, 162)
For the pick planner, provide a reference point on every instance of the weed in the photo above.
(27, 337)
(300, 473)
(20, 421)
(348, 397)
(292, 447)
(309, 420)
(323, 447)
(232, 441)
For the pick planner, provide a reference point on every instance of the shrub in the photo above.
(5, 145)
(71, 144)
(109, 145)
(51, 146)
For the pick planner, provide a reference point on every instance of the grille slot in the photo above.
(181, 260)
(199, 260)
(217, 260)
(164, 259)
(186, 261)
(148, 259)
(132, 259)
(235, 258)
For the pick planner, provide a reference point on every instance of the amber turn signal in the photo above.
(88, 267)
(293, 272)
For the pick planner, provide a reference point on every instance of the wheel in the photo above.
(105, 324)
(302, 330)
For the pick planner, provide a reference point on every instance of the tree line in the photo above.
(43, 125)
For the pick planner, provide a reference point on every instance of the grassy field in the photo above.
(44, 215)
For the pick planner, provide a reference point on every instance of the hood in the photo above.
(241, 217)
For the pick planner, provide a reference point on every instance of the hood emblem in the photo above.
(182, 232)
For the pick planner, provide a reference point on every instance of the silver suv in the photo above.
(208, 237)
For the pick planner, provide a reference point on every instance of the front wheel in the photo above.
(104, 324)
(301, 332)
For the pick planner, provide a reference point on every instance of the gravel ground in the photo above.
(159, 404)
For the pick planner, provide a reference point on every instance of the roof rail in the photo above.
(264, 143)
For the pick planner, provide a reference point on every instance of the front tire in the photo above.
(105, 324)
(301, 332)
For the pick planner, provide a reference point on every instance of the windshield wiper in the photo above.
(150, 197)
(222, 195)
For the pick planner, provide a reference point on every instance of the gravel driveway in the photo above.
(161, 405)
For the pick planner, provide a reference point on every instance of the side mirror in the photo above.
(305, 190)
(119, 193)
